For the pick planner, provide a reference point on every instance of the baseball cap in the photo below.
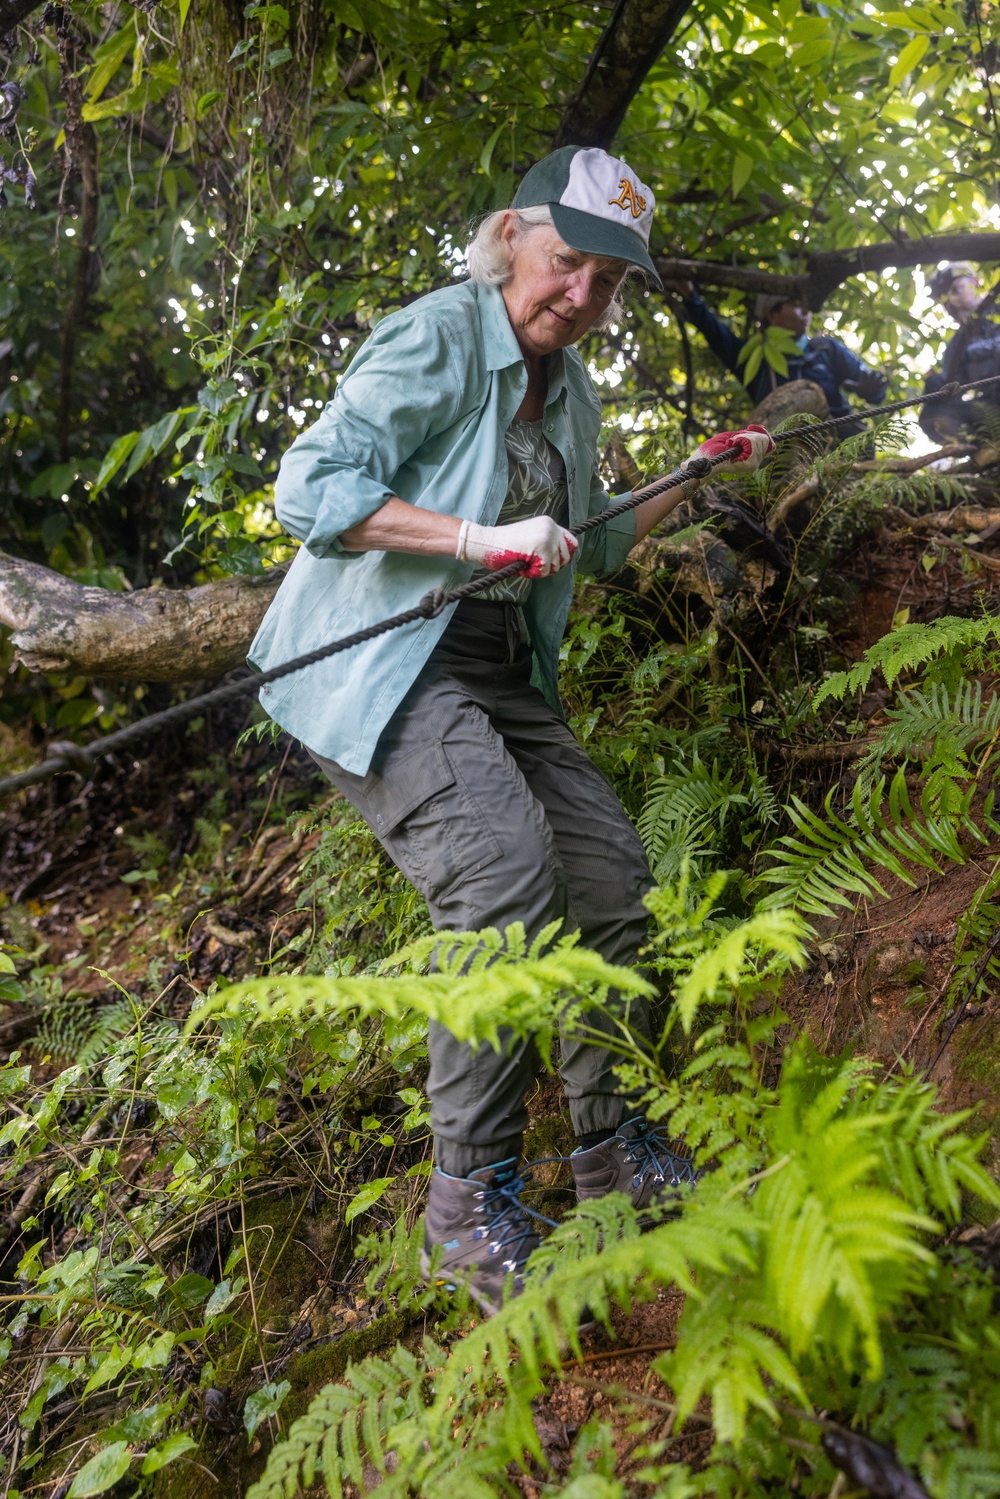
(952, 270)
(598, 204)
(768, 302)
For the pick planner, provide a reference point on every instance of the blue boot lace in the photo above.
(654, 1153)
(508, 1223)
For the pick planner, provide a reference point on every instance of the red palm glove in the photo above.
(755, 442)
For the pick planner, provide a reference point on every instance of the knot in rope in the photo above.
(434, 602)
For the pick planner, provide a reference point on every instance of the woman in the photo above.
(462, 436)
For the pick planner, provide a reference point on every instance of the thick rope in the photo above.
(82, 758)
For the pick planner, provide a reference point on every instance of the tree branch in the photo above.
(627, 48)
(152, 635)
(828, 269)
(14, 12)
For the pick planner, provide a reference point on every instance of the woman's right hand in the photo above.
(542, 545)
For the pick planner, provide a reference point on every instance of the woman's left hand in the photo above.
(755, 443)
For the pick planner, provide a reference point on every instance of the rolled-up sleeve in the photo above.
(605, 549)
(402, 386)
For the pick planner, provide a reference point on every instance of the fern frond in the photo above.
(945, 725)
(760, 945)
(684, 807)
(486, 981)
(829, 860)
(906, 649)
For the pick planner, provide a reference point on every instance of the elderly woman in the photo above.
(464, 436)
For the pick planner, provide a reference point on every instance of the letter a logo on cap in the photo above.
(598, 204)
(627, 198)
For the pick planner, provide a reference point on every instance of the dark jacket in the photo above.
(824, 360)
(973, 353)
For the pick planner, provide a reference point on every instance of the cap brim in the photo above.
(595, 236)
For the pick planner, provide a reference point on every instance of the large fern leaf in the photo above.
(830, 860)
(686, 808)
(906, 649)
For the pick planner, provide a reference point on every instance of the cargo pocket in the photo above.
(428, 822)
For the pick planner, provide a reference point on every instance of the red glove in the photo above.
(755, 442)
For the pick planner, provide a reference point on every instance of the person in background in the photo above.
(973, 353)
(823, 359)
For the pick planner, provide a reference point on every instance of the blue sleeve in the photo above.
(716, 331)
(402, 385)
(850, 370)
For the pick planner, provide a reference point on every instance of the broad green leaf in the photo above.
(486, 155)
(159, 1457)
(185, 6)
(742, 167)
(102, 1472)
(754, 362)
(155, 1355)
(369, 1195)
(263, 1404)
(908, 59)
(191, 1290)
(113, 460)
(111, 1365)
(108, 58)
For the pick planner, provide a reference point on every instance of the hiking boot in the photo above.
(640, 1160)
(485, 1230)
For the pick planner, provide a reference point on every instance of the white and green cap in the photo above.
(597, 202)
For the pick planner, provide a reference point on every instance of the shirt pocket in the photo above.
(429, 822)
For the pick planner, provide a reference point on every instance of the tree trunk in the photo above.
(153, 635)
(627, 48)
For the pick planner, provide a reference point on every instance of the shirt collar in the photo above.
(501, 346)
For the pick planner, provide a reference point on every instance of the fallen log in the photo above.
(151, 635)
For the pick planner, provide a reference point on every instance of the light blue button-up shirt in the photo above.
(421, 413)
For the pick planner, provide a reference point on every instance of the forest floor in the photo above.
(201, 865)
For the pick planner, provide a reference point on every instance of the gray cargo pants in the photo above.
(482, 797)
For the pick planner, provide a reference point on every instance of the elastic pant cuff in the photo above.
(599, 1111)
(460, 1158)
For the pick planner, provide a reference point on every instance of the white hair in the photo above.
(491, 258)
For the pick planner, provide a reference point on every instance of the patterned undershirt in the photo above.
(536, 485)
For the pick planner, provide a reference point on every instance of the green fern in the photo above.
(907, 649)
(941, 728)
(797, 1278)
(941, 724)
(686, 809)
(828, 861)
(918, 493)
(484, 981)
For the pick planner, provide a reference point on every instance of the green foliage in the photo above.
(789, 1289)
(483, 980)
(910, 648)
(827, 862)
(685, 811)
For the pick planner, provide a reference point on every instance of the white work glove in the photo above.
(756, 442)
(539, 543)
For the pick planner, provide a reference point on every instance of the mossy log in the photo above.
(151, 635)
